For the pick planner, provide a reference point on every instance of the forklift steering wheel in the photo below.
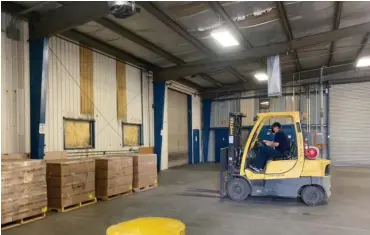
(260, 143)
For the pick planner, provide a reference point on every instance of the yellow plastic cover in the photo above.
(148, 226)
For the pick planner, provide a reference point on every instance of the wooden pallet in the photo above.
(144, 188)
(23, 221)
(75, 206)
(114, 196)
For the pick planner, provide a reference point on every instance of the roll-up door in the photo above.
(177, 127)
(350, 124)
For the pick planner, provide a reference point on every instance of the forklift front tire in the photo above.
(238, 189)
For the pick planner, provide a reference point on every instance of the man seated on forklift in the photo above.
(273, 149)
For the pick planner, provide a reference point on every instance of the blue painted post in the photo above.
(39, 50)
(190, 130)
(206, 109)
(159, 96)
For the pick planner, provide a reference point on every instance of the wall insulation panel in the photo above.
(87, 81)
(133, 95)
(121, 91)
(15, 127)
(63, 91)
(148, 117)
(63, 98)
(108, 130)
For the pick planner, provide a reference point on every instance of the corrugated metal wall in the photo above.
(220, 111)
(148, 117)
(63, 95)
(133, 91)
(64, 98)
(63, 92)
(349, 124)
(197, 120)
(15, 123)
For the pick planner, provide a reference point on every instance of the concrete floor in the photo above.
(348, 211)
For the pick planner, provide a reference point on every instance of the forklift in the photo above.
(299, 174)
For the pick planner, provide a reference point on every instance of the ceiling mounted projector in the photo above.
(123, 9)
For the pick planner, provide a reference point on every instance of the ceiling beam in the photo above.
(264, 51)
(138, 40)
(305, 74)
(211, 80)
(336, 22)
(234, 72)
(287, 28)
(110, 50)
(67, 17)
(161, 16)
(218, 9)
(363, 45)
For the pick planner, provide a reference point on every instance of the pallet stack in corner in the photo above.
(113, 176)
(70, 183)
(145, 172)
(23, 191)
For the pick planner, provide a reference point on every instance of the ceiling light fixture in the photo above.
(363, 62)
(261, 76)
(224, 38)
(265, 103)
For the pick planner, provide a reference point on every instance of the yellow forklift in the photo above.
(299, 174)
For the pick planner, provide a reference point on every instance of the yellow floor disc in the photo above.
(148, 226)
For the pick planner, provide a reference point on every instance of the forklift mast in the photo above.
(234, 148)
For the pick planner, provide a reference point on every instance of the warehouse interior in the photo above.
(89, 80)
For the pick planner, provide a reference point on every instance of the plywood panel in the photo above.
(77, 134)
(131, 135)
(121, 91)
(86, 79)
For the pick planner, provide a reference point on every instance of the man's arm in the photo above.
(271, 143)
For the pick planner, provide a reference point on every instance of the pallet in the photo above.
(23, 221)
(75, 206)
(114, 196)
(144, 188)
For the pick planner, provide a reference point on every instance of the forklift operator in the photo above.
(273, 149)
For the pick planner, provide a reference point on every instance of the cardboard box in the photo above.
(70, 181)
(145, 170)
(114, 175)
(23, 189)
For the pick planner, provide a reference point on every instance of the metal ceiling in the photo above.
(176, 35)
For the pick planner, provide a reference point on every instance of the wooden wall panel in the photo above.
(86, 81)
(131, 135)
(121, 91)
(77, 134)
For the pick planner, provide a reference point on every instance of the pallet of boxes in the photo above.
(145, 172)
(70, 183)
(113, 177)
(23, 192)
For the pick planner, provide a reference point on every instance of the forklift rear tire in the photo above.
(238, 189)
(313, 196)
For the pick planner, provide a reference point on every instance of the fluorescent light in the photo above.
(265, 103)
(224, 38)
(261, 76)
(363, 62)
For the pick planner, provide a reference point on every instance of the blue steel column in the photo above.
(38, 83)
(190, 130)
(206, 109)
(159, 95)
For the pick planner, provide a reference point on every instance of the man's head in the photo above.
(275, 127)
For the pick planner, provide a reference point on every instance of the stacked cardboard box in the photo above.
(145, 171)
(70, 182)
(113, 176)
(23, 189)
